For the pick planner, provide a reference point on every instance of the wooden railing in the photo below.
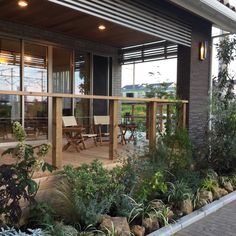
(114, 102)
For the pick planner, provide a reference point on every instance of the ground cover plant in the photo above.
(16, 180)
(140, 195)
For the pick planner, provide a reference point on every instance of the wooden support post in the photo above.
(57, 132)
(168, 119)
(132, 113)
(183, 115)
(161, 118)
(113, 129)
(147, 120)
(152, 126)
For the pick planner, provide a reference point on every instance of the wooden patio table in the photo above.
(123, 130)
(74, 137)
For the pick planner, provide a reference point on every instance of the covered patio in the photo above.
(67, 61)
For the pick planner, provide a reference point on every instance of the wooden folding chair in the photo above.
(75, 134)
(100, 123)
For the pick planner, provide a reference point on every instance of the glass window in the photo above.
(82, 73)
(82, 86)
(9, 64)
(9, 80)
(62, 82)
(35, 80)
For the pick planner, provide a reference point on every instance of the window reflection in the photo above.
(82, 86)
(35, 80)
(62, 82)
(9, 80)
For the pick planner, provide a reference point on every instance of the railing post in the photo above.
(183, 115)
(57, 132)
(161, 118)
(147, 119)
(152, 126)
(113, 129)
(168, 118)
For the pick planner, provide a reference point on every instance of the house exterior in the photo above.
(139, 90)
(78, 47)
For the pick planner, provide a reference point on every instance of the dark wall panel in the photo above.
(193, 78)
(100, 84)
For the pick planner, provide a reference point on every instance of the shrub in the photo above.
(86, 193)
(233, 180)
(129, 173)
(41, 214)
(152, 187)
(192, 178)
(222, 135)
(16, 181)
(178, 192)
(174, 150)
(14, 232)
(60, 229)
(209, 184)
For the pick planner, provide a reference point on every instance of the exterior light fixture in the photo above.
(3, 60)
(101, 27)
(22, 3)
(202, 51)
(28, 58)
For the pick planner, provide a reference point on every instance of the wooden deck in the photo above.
(92, 152)
(48, 181)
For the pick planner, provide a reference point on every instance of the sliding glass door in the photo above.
(62, 76)
(35, 80)
(10, 61)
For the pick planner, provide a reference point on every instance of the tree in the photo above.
(160, 91)
(222, 134)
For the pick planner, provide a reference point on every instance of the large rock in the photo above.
(219, 192)
(150, 224)
(138, 230)
(206, 195)
(187, 207)
(170, 215)
(157, 204)
(119, 224)
(228, 187)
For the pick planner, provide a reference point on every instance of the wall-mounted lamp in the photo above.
(202, 51)
(22, 3)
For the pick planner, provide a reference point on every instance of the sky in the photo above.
(150, 72)
(165, 70)
(232, 2)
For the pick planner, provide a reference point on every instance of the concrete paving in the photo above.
(220, 223)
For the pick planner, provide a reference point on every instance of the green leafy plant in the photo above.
(191, 177)
(174, 150)
(30, 232)
(141, 210)
(221, 139)
(152, 187)
(60, 229)
(198, 201)
(209, 184)
(16, 181)
(233, 180)
(41, 214)
(178, 192)
(86, 193)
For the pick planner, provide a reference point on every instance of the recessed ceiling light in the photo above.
(101, 27)
(28, 58)
(22, 3)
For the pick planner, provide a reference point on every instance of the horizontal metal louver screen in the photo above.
(136, 15)
(148, 52)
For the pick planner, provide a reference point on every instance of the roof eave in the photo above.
(213, 11)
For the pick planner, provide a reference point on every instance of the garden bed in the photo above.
(195, 216)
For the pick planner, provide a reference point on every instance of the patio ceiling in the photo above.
(53, 17)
